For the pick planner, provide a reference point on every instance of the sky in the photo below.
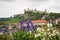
(10, 7)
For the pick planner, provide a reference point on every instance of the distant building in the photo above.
(57, 20)
(35, 10)
(40, 22)
(14, 25)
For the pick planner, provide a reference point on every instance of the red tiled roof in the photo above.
(40, 21)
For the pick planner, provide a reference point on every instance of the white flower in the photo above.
(42, 29)
(37, 35)
(53, 34)
(57, 33)
(30, 32)
(48, 29)
(38, 28)
(45, 33)
(49, 33)
(54, 31)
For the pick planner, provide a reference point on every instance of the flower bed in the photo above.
(28, 35)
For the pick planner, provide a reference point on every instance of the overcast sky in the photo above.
(11, 7)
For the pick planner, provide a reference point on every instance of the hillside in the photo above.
(35, 15)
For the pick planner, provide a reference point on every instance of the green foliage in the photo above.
(4, 19)
(3, 23)
(56, 15)
(58, 25)
(25, 35)
(34, 16)
(5, 37)
(22, 35)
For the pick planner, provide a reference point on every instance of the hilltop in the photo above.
(34, 14)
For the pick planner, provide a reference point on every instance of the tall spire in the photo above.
(45, 10)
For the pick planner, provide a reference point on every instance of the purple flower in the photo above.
(21, 22)
(6, 28)
(30, 25)
(22, 26)
(1, 30)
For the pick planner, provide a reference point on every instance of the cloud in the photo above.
(37, 0)
(17, 6)
(54, 6)
(7, 0)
